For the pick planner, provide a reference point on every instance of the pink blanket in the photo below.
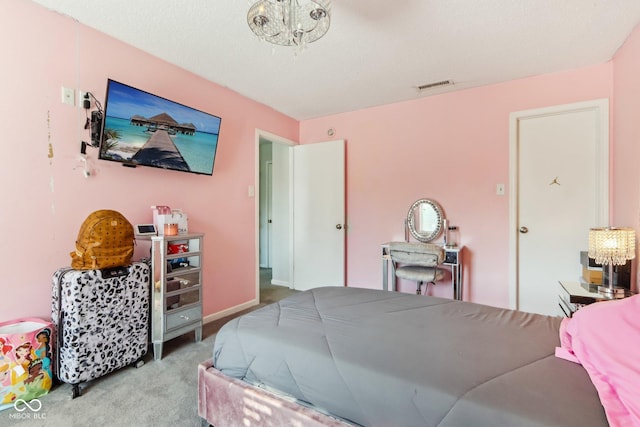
(605, 339)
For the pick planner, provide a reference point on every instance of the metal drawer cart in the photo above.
(176, 297)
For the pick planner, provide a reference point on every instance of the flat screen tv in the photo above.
(140, 128)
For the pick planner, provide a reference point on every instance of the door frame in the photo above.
(601, 106)
(261, 134)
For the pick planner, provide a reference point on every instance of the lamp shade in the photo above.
(612, 245)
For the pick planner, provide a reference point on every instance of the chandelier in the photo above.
(290, 22)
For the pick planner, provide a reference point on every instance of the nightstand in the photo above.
(572, 296)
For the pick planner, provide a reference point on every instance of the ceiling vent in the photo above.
(435, 84)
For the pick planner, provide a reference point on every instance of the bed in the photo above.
(350, 356)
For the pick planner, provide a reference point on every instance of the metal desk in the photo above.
(452, 259)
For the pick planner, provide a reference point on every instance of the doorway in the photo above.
(320, 203)
(559, 158)
(272, 210)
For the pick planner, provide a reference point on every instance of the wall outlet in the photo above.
(81, 94)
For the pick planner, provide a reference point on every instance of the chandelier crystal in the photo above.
(290, 22)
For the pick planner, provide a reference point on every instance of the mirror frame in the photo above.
(422, 237)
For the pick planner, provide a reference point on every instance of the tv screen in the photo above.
(140, 128)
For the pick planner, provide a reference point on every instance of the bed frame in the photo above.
(224, 401)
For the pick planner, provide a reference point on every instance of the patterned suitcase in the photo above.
(101, 320)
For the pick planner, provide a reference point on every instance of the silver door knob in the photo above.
(524, 230)
(339, 226)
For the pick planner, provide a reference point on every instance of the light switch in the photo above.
(252, 191)
(500, 189)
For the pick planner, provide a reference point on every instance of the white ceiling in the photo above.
(376, 52)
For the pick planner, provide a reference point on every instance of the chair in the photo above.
(416, 261)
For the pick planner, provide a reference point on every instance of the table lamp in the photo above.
(611, 246)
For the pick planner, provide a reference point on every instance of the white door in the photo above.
(559, 183)
(280, 216)
(268, 213)
(318, 212)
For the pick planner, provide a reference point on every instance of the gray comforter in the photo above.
(379, 358)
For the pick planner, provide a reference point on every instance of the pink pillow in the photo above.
(605, 339)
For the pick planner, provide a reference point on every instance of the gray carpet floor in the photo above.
(159, 393)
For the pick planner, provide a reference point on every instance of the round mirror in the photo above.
(425, 220)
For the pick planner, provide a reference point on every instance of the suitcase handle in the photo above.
(108, 273)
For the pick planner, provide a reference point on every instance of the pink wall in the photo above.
(626, 134)
(453, 148)
(44, 200)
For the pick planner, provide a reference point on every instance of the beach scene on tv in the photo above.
(144, 129)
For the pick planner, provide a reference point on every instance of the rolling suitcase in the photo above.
(101, 318)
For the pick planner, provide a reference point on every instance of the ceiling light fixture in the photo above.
(289, 22)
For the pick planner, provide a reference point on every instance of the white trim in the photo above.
(291, 266)
(229, 311)
(602, 153)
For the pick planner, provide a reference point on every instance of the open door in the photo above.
(318, 212)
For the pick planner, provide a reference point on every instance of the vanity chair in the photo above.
(419, 261)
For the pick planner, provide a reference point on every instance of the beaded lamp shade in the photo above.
(612, 246)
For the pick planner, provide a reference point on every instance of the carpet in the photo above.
(159, 393)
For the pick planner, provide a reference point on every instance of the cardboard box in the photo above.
(592, 275)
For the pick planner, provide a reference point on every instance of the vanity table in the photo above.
(452, 259)
(425, 222)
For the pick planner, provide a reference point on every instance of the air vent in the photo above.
(435, 84)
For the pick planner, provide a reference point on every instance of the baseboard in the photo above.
(280, 283)
(229, 311)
